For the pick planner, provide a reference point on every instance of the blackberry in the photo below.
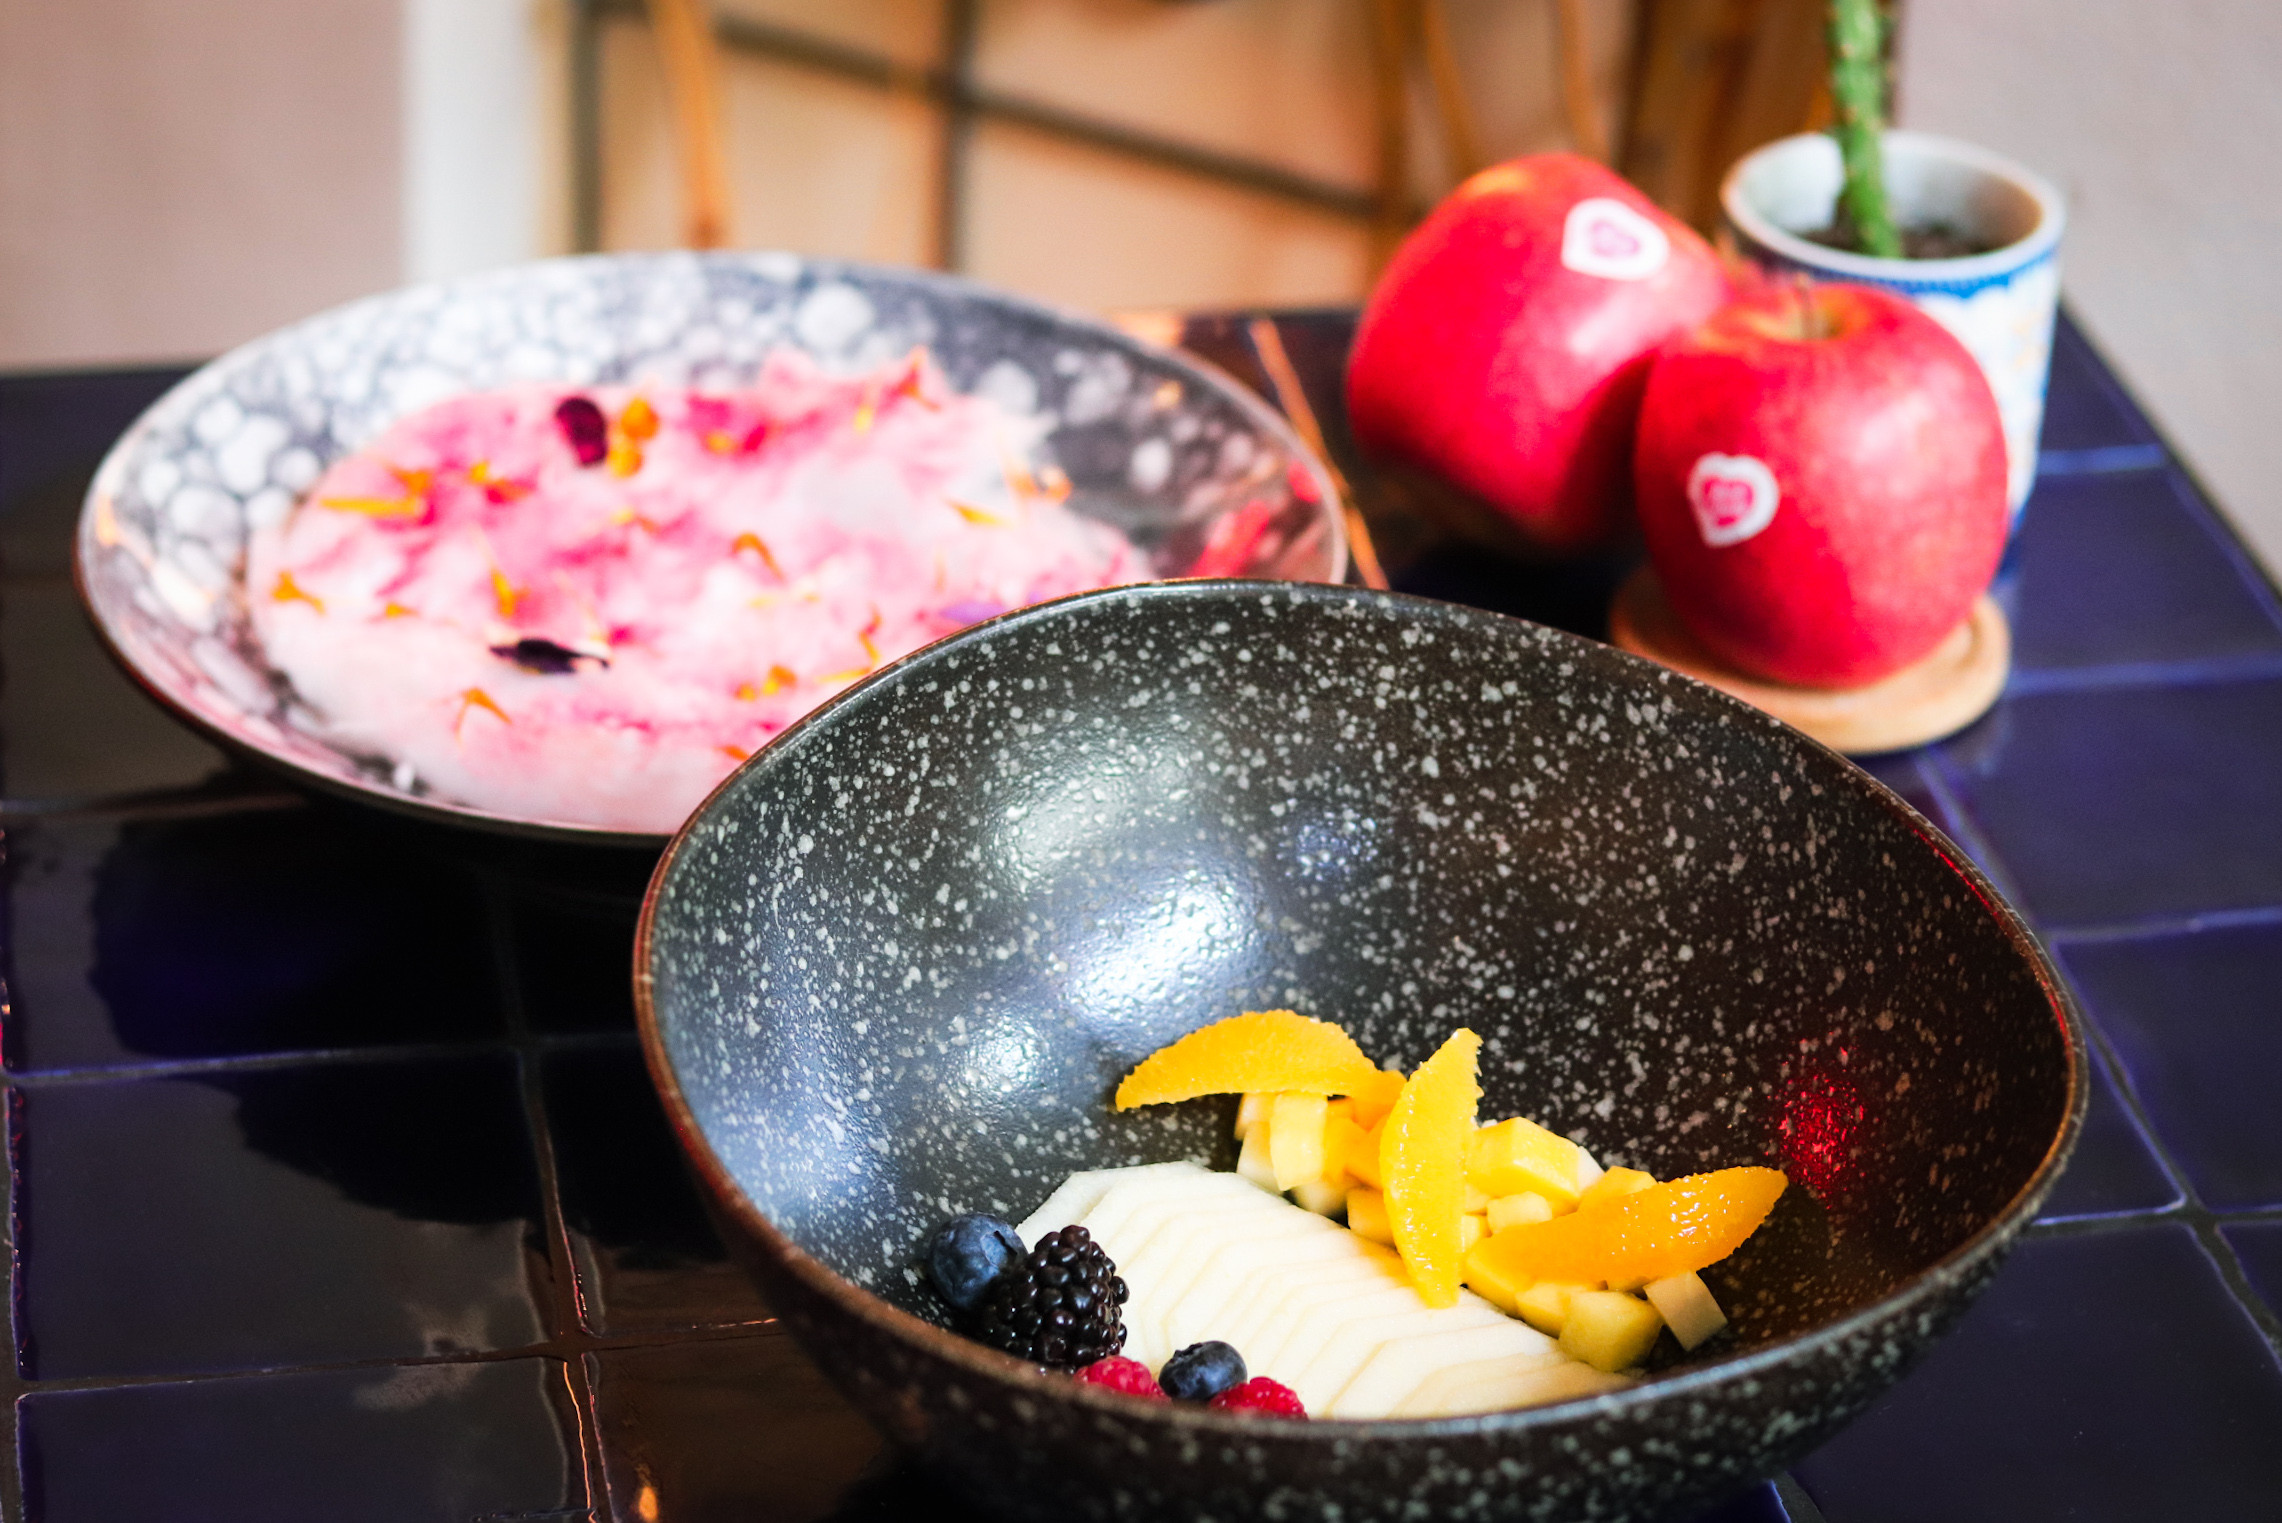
(1059, 1307)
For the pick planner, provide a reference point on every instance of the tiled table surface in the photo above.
(337, 1189)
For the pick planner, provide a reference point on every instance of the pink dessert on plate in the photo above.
(588, 605)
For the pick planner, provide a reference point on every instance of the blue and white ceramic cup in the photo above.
(1999, 304)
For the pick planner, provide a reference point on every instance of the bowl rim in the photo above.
(94, 505)
(1986, 1244)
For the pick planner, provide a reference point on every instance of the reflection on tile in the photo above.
(265, 931)
(441, 1442)
(1900, 771)
(574, 962)
(2259, 1246)
(1758, 1505)
(2193, 1018)
(256, 1219)
(648, 1254)
(742, 1428)
(2085, 408)
(2106, 1377)
(2127, 567)
(2113, 1170)
(71, 724)
(2113, 805)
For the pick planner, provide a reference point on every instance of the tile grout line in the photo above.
(565, 1313)
(318, 1057)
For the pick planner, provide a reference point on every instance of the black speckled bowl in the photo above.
(894, 968)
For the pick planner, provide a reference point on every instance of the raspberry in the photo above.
(1261, 1395)
(1118, 1373)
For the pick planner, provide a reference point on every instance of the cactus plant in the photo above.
(1858, 93)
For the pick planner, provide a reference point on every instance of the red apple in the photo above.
(1506, 345)
(1820, 475)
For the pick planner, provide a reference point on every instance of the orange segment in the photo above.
(1375, 1097)
(1422, 1159)
(1260, 1049)
(1673, 1228)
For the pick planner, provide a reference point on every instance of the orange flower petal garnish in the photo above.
(477, 698)
(639, 420)
(374, 507)
(625, 458)
(397, 611)
(759, 547)
(778, 679)
(745, 692)
(289, 591)
(735, 754)
(505, 593)
(975, 515)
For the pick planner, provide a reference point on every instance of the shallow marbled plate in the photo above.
(893, 969)
(1152, 443)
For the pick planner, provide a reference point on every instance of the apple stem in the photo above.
(1858, 92)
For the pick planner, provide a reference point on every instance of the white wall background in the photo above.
(2162, 122)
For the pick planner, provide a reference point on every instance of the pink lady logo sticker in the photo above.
(1734, 497)
(1607, 238)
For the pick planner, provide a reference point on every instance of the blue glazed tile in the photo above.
(574, 961)
(54, 429)
(2129, 568)
(290, 1216)
(265, 931)
(2085, 409)
(441, 1442)
(2114, 805)
(2259, 1246)
(744, 1428)
(1900, 771)
(2106, 1377)
(2193, 1019)
(648, 1256)
(2113, 1170)
(71, 725)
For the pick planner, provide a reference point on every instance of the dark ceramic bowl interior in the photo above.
(1163, 449)
(894, 968)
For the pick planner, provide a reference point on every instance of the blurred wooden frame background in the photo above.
(1705, 81)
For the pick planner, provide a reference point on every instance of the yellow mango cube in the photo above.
(1252, 1160)
(1545, 1305)
(1609, 1330)
(1471, 1230)
(1343, 1142)
(1494, 1285)
(1518, 1154)
(1249, 1110)
(1518, 1210)
(1363, 1156)
(1367, 1215)
(1373, 1098)
(1477, 1199)
(1614, 1185)
(1295, 1139)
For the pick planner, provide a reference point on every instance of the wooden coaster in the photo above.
(1936, 696)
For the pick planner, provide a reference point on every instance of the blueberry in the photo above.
(968, 1254)
(1201, 1371)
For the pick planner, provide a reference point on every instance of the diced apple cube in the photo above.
(1321, 1196)
(1614, 1184)
(1687, 1307)
(1518, 1154)
(1367, 1215)
(1518, 1210)
(1295, 1139)
(1545, 1305)
(1249, 1110)
(1471, 1230)
(1493, 1284)
(1609, 1330)
(1252, 1161)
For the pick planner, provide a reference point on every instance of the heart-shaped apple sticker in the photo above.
(1607, 238)
(1734, 497)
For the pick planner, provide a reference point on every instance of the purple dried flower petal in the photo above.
(972, 610)
(584, 427)
(545, 657)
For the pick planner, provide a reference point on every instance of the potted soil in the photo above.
(1970, 237)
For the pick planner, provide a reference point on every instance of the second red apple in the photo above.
(1820, 474)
